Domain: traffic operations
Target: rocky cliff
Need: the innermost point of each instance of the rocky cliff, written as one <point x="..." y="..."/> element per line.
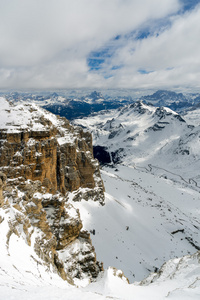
<point x="46" y="161"/>
<point x="37" y="145"/>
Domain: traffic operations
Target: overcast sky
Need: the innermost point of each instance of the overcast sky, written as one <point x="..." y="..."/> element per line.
<point x="100" y="44"/>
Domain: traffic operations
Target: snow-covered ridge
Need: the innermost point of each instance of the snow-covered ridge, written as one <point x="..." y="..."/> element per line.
<point x="15" y="118"/>
<point x="143" y="135"/>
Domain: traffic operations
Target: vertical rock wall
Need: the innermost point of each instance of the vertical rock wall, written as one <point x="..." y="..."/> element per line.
<point x="59" y="163"/>
<point x="42" y="167"/>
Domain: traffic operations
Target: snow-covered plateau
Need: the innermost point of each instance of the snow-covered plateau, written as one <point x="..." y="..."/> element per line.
<point x="149" y="225"/>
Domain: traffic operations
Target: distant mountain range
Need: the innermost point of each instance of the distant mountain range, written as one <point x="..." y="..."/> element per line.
<point x="70" y="106"/>
<point x="74" y="105"/>
<point x="176" y="101"/>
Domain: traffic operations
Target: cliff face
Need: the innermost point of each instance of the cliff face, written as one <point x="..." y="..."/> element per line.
<point x="39" y="156"/>
<point x="47" y="148"/>
<point x="45" y="159"/>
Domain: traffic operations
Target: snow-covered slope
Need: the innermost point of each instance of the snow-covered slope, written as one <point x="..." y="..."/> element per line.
<point x="23" y="275"/>
<point x="177" y="279"/>
<point x="147" y="220"/>
<point x="146" y="136"/>
<point x="152" y="187"/>
<point x="192" y="117"/>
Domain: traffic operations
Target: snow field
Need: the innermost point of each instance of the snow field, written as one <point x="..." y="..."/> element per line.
<point x="136" y="229"/>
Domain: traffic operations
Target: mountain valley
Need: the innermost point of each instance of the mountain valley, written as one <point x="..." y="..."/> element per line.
<point x="61" y="215"/>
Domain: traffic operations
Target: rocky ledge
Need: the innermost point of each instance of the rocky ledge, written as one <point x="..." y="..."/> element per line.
<point x="46" y="161"/>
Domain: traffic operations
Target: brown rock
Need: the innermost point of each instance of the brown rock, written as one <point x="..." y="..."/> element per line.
<point x="2" y="184"/>
<point x="41" y="167"/>
<point x="60" y="157"/>
<point x="63" y="218"/>
<point x="79" y="258"/>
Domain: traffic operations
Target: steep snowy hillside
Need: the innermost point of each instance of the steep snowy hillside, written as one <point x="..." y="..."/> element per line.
<point x="22" y="277"/>
<point x="147" y="221"/>
<point x="192" y="117"/>
<point x="141" y="135"/>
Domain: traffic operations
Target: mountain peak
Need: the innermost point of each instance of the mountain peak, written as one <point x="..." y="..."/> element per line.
<point x="95" y="95"/>
<point x="167" y="98"/>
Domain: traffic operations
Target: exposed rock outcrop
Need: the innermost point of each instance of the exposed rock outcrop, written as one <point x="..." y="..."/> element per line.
<point x="47" y="148"/>
<point x="52" y="226"/>
<point x="46" y="160"/>
<point x="2" y="184"/>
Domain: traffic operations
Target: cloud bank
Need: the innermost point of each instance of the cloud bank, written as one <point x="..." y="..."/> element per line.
<point x="99" y="43"/>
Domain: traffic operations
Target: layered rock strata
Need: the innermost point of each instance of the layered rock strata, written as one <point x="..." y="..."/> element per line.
<point x="46" y="160"/>
<point x="47" y="148"/>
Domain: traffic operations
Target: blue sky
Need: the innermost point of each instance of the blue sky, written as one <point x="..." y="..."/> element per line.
<point x="97" y="59"/>
<point x="100" y="44"/>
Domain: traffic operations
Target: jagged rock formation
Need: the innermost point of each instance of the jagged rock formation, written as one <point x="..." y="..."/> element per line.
<point x="45" y="159"/>
<point x="47" y="148"/>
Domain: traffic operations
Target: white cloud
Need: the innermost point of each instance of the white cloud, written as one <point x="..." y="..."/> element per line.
<point x="172" y="58"/>
<point x="45" y="43"/>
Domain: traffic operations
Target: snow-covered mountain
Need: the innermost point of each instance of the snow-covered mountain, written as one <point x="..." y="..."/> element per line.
<point x="152" y="185"/>
<point x="150" y="215"/>
<point x="151" y="137"/>
<point x="177" y="101"/>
